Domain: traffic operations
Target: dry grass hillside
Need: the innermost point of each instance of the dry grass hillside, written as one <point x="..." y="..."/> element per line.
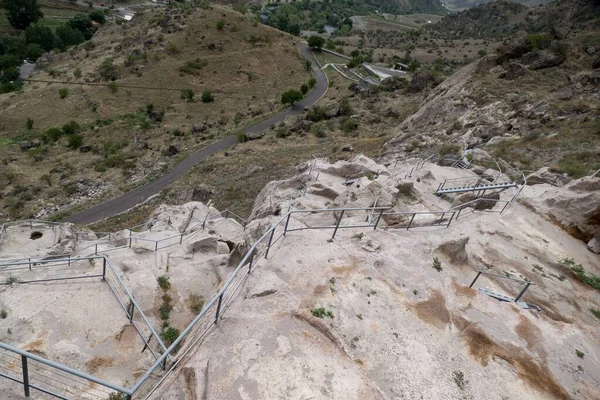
<point x="124" y="91"/>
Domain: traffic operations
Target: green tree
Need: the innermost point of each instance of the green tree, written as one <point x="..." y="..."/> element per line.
<point x="291" y="97"/>
<point x="22" y="13"/>
<point x="98" y="16"/>
<point x="83" y="23"/>
<point x="304" y="89"/>
<point x="316" y="42"/>
<point x="69" y="36"/>
<point x="41" y="35"/>
<point x="33" y="51"/>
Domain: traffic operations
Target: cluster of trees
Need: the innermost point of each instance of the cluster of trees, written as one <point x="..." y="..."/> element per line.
<point x="315" y="14"/>
<point x="35" y="39"/>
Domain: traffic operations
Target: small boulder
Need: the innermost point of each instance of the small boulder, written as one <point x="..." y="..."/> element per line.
<point x="513" y="47"/>
<point x="348" y="148"/>
<point x="512" y="70"/>
<point x="172" y="150"/>
<point x="332" y="112"/>
<point x="594" y="244"/>
<point x="254" y="135"/>
<point x="368" y="244"/>
<point x="205" y="244"/>
<point x="543" y="59"/>
<point x="85" y="148"/>
<point x="202" y="194"/>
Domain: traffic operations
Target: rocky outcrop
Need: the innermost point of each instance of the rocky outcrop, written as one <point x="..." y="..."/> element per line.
<point x="574" y="207"/>
<point x="545" y="175"/>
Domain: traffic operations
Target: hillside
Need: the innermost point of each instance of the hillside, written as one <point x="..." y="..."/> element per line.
<point x="136" y="96"/>
<point x="459" y="5"/>
<point x="503" y="17"/>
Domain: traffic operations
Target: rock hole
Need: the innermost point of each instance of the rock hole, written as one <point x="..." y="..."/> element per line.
<point x="36" y="235"/>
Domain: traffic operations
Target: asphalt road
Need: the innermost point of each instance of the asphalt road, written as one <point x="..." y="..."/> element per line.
<point x="138" y="196"/>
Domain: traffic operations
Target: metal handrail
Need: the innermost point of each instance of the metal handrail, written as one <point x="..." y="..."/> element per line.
<point x="62" y="367"/>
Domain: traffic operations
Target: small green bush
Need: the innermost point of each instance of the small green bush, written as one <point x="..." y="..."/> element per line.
<point x="77" y="73"/>
<point x="193" y="67"/>
<point x="75" y="141"/>
<point x="3" y="314"/>
<point x="63" y="93"/>
<point x="207" y="97"/>
<point x="595" y="312"/>
<point x="169" y="335"/>
<point x="114" y="87"/>
<point x="537" y="41"/>
<point x="304" y="89"/>
<point x="579" y="353"/>
<point x="349" y="125"/>
<point x="71" y="128"/>
<point x="437" y="265"/>
<point x="220" y="24"/>
<point x="172" y="49"/>
<point x="29" y="124"/>
<point x="188" y="95"/>
<point x="312" y="82"/>
<point x="195" y="303"/>
<point x="163" y="282"/>
<point x="241" y="137"/>
<point x="321" y="313"/>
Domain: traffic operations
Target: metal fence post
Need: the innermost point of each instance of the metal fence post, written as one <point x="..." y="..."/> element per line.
<point x="378" y="218"/>
<point x="251" y="261"/>
<point x="96" y="249"/>
<point x="69" y="258"/>
<point x="475" y="280"/>
<point x="287" y="222"/>
<point x="25" y="375"/>
<point x="104" y="268"/>
<point x="522" y="291"/>
<point x="181" y="239"/>
<point x="129" y="240"/>
<point x="30" y="264"/>
<point x="132" y="308"/>
<point x="411" y="220"/>
<point x="156" y="246"/>
<point x="270" y="240"/>
<point x="450" y="220"/>
<point x="337" y="225"/>
<point x="218" y="308"/>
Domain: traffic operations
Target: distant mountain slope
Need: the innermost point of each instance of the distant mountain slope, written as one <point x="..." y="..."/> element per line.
<point x="504" y="17"/>
<point x="464" y="4"/>
<point x="493" y="19"/>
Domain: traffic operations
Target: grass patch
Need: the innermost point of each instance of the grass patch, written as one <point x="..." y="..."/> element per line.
<point x="579" y="354"/>
<point x="595" y="312"/>
<point x="591" y="279"/>
<point x="321" y="312"/>
<point x="437" y="265"/>
<point x="3" y="314"/>
<point x="195" y="303"/>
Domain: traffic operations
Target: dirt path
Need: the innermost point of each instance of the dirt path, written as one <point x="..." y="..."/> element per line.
<point x="138" y="196"/>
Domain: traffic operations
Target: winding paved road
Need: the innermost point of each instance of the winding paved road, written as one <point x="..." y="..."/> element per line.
<point x="138" y="196"/>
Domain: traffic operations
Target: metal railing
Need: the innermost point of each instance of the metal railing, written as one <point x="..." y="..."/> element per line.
<point x="169" y="358"/>
<point x="57" y="379"/>
<point x="417" y="219"/>
<point x="526" y="285"/>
